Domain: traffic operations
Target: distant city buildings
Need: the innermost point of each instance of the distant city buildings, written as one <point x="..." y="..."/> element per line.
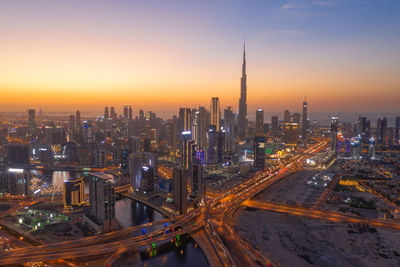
<point x="197" y="148"/>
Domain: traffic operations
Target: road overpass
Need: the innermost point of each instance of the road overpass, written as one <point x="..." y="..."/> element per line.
<point x="319" y="215"/>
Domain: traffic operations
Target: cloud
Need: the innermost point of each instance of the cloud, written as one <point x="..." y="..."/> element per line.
<point x="299" y="4"/>
<point x="290" y="5"/>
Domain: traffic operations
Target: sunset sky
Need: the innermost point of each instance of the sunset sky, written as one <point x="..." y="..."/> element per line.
<point x="160" y="55"/>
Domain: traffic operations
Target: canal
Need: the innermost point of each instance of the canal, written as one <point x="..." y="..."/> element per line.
<point x="182" y="252"/>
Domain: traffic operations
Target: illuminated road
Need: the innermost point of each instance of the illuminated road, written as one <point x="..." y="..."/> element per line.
<point x="232" y="249"/>
<point x="101" y="244"/>
<point x="320" y="215"/>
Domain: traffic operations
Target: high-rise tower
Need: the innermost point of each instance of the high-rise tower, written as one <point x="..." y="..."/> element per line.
<point x="130" y="112"/>
<point x="106" y="113"/>
<point x="334" y="132"/>
<point x="215" y="113"/>
<point x="78" y="119"/>
<point x="260" y="122"/>
<point x="125" y="112"/>
<point x="304" y="123"/>
<point x="31" y="120"/>
<point x="242" y="119"/>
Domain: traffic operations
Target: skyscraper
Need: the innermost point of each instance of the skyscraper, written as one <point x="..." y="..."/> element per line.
<point x="15" y="182"/>
<point x="78" y="119"/>
<point x="396" y="130"/>
<point x="106" y="113"/>
<point x="174" y="135"/>
<point x="215" y="113"/>
<point x="229" y="128"/>
<point x="259" y="122"/>
<point x="17" y="155"/>
<point x="286" y="116"/>
<point x="304" y="123"/>
<point x="126" y="112"/>
<point x="87" y="131"/>
<point x="291" y="133"/>
<point x="185" y="120"/>
<point x="102" y="202"/>
<point x="180" y="189"/>
<point x="130" y="112"/>
<point x="71" y="123"/>
<point x="31" y="120"/>
<point x="147" y="181"/>
<point x="202" y="124"/>
<point x="187" y="151"/>
<point x="135" y="169"/>
<point x="381" y="131"/>
<point x="364" y="128"/>
<point x="242" y="119"/>
<point x="274" y="125"/>
<point x="334" y="132"/>
<point x="198" y="184"/>
<point x="259" y="152"/>
<point x="113" y="114"/>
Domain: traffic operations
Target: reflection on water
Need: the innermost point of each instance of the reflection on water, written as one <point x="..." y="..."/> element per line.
<point x="192" y="256"/>
<point x="132" y="213"/>
<point x="127" y="211"/>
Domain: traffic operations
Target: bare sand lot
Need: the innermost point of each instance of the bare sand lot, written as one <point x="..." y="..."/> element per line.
<point x="294" y="241"/>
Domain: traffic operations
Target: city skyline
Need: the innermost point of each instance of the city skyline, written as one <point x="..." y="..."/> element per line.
<point x="111" y="55"/>
<point x="199" y="133"/>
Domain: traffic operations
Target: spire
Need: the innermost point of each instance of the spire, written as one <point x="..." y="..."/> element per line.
<point x="244" y="59"/>
<point x="244" y="50"/>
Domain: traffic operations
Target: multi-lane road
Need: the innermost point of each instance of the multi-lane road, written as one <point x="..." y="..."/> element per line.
<point x="219" y="221"/>
<point x="318" y="214"/>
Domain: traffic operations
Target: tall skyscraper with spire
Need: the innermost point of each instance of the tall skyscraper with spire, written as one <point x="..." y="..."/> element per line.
<point x="242" y="119"/>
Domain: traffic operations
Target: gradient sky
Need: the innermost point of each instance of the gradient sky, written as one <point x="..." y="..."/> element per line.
<point x="159" y="55"/>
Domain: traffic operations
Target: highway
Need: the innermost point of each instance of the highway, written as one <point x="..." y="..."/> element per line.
<point x="219" y="222"/>
<point x="320" y="215"/>
<point x="101" y="244"/>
